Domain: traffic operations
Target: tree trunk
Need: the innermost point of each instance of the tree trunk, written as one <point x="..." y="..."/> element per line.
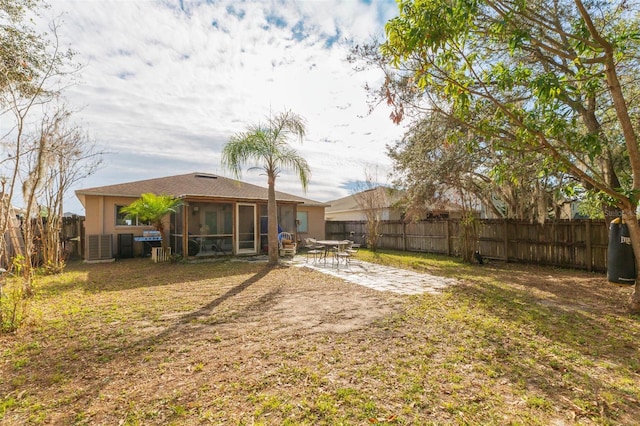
<point x="272" y="214"/>
<point x="631" y="220"/>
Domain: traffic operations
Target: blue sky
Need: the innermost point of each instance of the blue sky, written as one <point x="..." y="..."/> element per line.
<point x="164" y="84"/>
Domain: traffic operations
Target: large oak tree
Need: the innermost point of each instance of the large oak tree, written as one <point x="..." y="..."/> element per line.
<point x="552" y="79"/>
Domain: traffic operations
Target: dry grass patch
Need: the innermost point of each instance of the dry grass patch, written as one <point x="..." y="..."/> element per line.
<point x="238" y="343"/>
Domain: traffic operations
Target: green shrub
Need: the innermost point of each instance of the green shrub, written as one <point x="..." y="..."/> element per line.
<point x="13" y="305"/>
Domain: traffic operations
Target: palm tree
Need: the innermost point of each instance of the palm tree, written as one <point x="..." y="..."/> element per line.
<point x="268" y="145"/>
<point x="153" y="208"/>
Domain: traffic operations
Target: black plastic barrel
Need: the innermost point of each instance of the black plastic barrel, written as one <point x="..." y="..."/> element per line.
<point x="621" y="265"/>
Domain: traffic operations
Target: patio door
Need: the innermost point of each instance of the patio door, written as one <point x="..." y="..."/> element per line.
<point x="246" y="242"/>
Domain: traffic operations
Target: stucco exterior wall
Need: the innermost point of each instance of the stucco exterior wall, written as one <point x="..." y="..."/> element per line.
<point x="100" y="213"/>
<point x="94" y="212"/>
<point x="315" y="224"/>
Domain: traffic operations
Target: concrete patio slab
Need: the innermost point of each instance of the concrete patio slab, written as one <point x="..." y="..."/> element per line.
<point x="378" y="277"/>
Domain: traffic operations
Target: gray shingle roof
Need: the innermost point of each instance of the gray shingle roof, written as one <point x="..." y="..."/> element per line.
<point x="190" y="185"/>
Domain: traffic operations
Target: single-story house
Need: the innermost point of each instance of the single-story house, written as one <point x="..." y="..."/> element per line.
<point x="217" y="216"/>
<point x="357" y="206"/>
<point x="385" y="204"/>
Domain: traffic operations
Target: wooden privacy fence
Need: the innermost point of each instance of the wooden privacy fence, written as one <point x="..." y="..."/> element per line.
<point x="579" y="244"/>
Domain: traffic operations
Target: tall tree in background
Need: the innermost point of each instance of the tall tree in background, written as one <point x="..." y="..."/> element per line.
<point x="268" y="146"/>
<point x="555" y="79"/>
<point x="439" y="159"/>
<point x="437" y="174"/>
<point x="23" y="52"/>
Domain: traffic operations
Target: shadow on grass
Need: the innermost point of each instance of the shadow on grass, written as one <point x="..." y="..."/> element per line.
<point x="572" y="288"/>
<point x="558" y="342"/>
<point x="583" y="360"/>
<point x="565" y="335"/>
<point x="210" y="307"/>
<point x="597" y="334"/>
<point x="130" y="274"/>
<point x="75" y="360"/>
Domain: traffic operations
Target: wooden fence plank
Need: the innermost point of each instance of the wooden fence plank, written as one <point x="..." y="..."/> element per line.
<point x="578" y="244"/>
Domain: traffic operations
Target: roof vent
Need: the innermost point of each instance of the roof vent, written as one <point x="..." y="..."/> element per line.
<point x="206" y="176"/>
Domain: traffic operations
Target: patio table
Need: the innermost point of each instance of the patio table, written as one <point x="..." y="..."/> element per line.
<point x="338" y="246"/>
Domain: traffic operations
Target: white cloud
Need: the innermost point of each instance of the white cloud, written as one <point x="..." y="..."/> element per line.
<point x="163" y="88"/>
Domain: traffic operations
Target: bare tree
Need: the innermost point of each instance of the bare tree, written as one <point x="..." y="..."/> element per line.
<point x="70" y="157"/>
<point x="372" y="198"/>
<point x="32" y="81"/>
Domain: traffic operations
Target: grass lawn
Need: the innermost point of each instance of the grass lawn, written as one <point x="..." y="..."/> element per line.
<point x="236" y="343"/>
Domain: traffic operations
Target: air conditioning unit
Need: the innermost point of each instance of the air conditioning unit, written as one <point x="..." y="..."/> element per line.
<point x="99" y="247"/>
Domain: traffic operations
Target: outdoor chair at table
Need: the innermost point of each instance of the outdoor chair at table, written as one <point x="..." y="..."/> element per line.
<point x="314" y="249"/>
<point x="353" y="248"/>
<point x="343" y="254"/>
<point x="337" y="250"/>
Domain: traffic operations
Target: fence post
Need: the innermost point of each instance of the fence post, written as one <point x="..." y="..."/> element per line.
<point x="447" y="244"/>
<point x="589" y="259"/>
<point x="404" y="236"/>
<point x="506" y="240"/>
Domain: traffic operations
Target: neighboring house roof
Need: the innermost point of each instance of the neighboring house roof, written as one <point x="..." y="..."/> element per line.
<point x="193" y="185"/>
<point x="382" y="198"/>
<point x="386" y="197"/>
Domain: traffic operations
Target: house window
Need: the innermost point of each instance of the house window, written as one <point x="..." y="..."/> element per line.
<point x="303" y="221"/>
<point x="123" y="220"/>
